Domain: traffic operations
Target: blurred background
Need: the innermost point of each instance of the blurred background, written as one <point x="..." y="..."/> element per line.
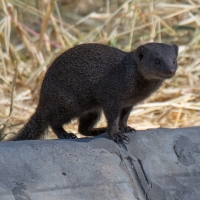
<point x="33" y="33"/>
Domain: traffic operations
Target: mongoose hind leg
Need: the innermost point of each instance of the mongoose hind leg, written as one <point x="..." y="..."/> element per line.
<point x="97" y="131"/>
<point x="61" y="133"/>
<point x="58" y="118"/>
<point x="56" y="123"/>
<point x="87" y="121"/>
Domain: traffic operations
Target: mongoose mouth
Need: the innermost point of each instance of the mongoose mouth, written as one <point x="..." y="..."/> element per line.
<point x="166" y="76"/>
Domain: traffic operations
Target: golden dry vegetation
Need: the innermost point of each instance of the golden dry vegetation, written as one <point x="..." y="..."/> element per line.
<point x="32" y="33"/>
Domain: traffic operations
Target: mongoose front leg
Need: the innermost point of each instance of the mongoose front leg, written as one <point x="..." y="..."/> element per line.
<point x="112" y="113"/>
<point x="124" y="115"/>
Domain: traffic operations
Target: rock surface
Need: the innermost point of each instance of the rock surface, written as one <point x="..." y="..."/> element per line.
<point x="157" y="164"/>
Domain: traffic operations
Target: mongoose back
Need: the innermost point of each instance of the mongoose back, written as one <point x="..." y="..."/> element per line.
<point x="90" y="78"/>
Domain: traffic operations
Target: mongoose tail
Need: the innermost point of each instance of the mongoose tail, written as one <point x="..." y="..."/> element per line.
<point x="33" y="130"/>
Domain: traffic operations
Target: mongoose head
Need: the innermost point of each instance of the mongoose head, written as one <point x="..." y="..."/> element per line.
<point x="157" y="60"/>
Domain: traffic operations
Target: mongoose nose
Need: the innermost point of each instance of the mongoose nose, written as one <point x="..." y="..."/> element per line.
<point x="171" y="71"/>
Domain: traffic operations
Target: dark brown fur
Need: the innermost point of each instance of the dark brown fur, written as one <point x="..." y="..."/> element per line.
<point x="90" y="78"/>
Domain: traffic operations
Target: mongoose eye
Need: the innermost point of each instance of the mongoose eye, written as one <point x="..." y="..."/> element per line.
<point x="157" y="61"/>
<point x="173" y="61"/>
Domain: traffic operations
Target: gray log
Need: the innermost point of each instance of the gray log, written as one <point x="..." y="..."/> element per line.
<point x="157" y="164"/>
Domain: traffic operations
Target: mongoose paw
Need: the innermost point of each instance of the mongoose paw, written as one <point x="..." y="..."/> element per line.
<point x="72" y="136"/>
<point x="68" y="136"/>
<point x="119" y="137"/>
<point x="128" y="129"/>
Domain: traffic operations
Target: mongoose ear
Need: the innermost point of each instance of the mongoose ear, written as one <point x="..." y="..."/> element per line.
<point x="175" y="48"/>
<point x="140" y="52"/>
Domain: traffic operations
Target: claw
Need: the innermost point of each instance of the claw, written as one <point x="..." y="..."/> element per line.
<point x="128" y="129"/>
<point x="68" y="136"/>
<point x="72" y="136"/>
<point x="120" y="137"/>
<point x="126" y="138"/>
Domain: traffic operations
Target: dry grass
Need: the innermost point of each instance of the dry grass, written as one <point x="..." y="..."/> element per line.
<point x="32" y="32"/>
